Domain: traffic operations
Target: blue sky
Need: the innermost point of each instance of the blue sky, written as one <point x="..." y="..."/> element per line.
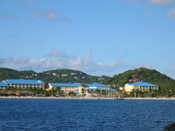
<point x="95" y="36"/>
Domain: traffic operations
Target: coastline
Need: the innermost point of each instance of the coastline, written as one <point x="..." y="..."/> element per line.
<point x="88" y="98"/>
<point x="149" y="98"/>
<point x="52" y="97"/>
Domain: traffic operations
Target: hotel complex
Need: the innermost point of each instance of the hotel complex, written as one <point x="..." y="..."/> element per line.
<point x="141" y="86"/>
<point x="3" y="85"/>
<point x="64" y="88"/>
<point x="24" y="84"/>
<point x="79" y="89"/>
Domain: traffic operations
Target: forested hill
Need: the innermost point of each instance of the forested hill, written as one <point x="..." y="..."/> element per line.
<point x="148" y="75"/>
<point x="60" y="75"/>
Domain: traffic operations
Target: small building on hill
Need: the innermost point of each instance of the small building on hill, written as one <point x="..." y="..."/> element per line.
<point x="141" y="86"/>
<point x="24" y="84"/>
<point x="134" y="80"/>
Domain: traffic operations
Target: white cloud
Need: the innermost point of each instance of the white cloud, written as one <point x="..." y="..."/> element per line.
<point x="56" y="54"/>
<point x="49" y="14"/>
<point x="52" y="15"/>
<point x="171" y="13"/>
<point x="156" y="2"/>
<point x="58" y="60"/>
<point x="161" y="2"/>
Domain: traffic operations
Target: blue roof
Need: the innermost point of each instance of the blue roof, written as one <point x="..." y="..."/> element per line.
<point x="78" y="84"/>
<point x="96" y="85"/>
<point x="101" y="88"/>
<point x="65" y="84"/>
<point x="23" y="81"/>
<point x="3" y="84"/>
<point x="143" y="84"/>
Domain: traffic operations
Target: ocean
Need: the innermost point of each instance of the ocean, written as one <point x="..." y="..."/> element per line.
<point x="85" y="115"/>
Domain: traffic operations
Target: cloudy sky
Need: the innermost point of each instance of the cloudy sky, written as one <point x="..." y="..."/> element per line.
<point x="102" y="37"/>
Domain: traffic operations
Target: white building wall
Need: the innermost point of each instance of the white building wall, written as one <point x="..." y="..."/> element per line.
<point x="128" y="88"/>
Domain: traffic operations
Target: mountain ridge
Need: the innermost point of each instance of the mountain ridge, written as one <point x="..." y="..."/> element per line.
<point x="57" y="75"/>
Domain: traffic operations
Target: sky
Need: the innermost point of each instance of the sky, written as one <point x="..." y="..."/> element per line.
<point x="100" y="37"/>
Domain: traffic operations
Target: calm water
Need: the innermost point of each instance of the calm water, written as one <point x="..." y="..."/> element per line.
<point x="85" y="115"/>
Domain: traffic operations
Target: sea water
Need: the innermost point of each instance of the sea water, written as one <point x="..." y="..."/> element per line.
<point x="85" y="115"/>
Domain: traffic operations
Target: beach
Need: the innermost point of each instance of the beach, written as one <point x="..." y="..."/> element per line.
<point x="89" y="98"/>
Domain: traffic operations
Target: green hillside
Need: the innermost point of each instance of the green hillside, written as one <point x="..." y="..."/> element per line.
<point x="166" y="83"/>
<point x="60" y="75"/>
<point x="6" y="73"/>
<point x="67" y="75"/>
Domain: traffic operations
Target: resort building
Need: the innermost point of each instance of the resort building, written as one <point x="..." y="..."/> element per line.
<point x="3" y="85"/>
<point x="97" y="86"/>
<point x="63" y="88"/>
<point x="24" y="84"/>
<point x="66" y="88"/>
<point x="79" y="89"/>
<point x="141" y="86"/>
<point x="101" y="88"/>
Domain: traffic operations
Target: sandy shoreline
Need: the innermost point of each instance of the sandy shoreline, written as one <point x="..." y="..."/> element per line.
<point x="81" y="98"/>
<point x="90" y="98"/>
<point x="149" y="98"/>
